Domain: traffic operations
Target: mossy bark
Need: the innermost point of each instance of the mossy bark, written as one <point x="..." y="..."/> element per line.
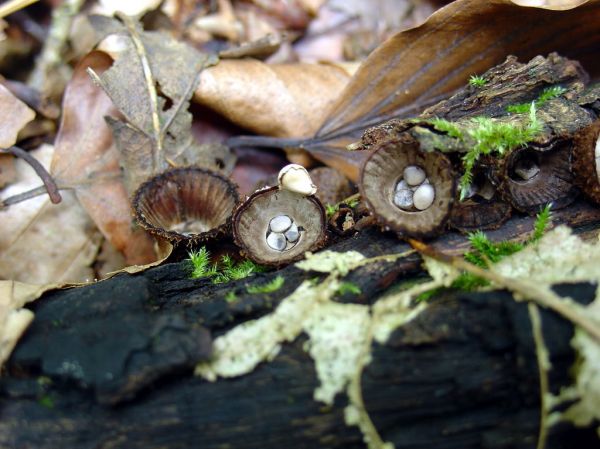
<point x="111" y="365"/>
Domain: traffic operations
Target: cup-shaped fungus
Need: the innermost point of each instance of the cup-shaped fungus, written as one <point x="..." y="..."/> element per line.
<point x="586" y="155"/>
<point x="530" y="178"/>
<point x="277" y="225"/>
<point x="408" y="190"/>
<point x="481" y="207"/>
<point x="186" y="205"/>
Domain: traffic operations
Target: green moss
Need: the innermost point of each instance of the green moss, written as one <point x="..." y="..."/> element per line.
<point x="200" y="261"/>
<point x="46" y="401"/>
<point x="231" y="296"/>
<point x="227" y="270"/>
<point x="477" y="81"/>
<point x="447" y="127"/>
<point x="546" y="95"/>
<point x="348" y="287"/>
<point x="494" y="137"/>
<point x="270" y="287"/>
<point x="486" y="252"/>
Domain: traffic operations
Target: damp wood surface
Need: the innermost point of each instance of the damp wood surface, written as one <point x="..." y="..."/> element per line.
<point x="110" y="365"/>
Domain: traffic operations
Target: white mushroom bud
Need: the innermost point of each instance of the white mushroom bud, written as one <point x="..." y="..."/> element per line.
<point x="295" y="178"/>
<point x="423" y="197"/>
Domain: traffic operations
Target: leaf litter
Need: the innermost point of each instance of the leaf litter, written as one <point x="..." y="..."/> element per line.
<point x="153" y="133"/>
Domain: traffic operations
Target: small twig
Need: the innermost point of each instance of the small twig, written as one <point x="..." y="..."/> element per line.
<point x="543" y="367"/>
<point x="528" y="290"/>
<point x="49" y="184"/>
<point x="14" y="5"/>
<point x="141" y="52"/>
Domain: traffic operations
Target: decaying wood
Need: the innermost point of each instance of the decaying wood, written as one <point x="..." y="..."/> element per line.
<point x="110" y="365"/>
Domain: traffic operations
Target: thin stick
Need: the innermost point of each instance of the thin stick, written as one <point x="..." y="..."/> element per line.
<point x="528" y="290"/>
<point x="46" y="178"/>
<point x="543" y="367"/>
<point x="141" y="52"/>
<point x="13" y="6"/>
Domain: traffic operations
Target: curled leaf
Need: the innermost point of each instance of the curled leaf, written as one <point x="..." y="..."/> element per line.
<point x="281" y="100"/>
<point x="14" y="115"/>
<point x="86" y="160"/>
<point x="151" y="83"/>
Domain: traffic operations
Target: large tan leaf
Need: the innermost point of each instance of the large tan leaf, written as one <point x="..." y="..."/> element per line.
<point x="280" y="100"/>
<point x="14" y="115"/>
<point x="42" y="242"/>
<point x="86" y="159"/>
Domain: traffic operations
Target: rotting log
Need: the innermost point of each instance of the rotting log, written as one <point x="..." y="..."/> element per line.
<point x="110" y="365"/>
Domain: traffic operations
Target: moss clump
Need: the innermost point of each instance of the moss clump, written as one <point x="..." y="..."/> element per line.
<point x="486" y="252"/>
<point x="348" y="287"/>
<point x="477" y="81"/>
<point x="494" y="137"/>
<point x="226" y="270"/>
<point x="270" y="287"/>
<point x="546" y="95"/>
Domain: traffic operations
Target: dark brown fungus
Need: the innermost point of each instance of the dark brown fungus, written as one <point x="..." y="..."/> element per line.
<point x="342" y="221"/>
<point x="332" y="186"/>
<point x="276" y="226"/>
<point x="186" y="205"/>
<point x="407" y="190"/>
<point x="482" y="208"/>
<point x="529" y="178"/>
<point x="586" y="160"/>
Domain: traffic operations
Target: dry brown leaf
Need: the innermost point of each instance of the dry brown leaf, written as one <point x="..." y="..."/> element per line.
<point x="7" y="169"/>
<point x="86" y="159"/>
<point x="420" y="66"/>
<point x="151" y="83"/>
<point x="14" y="319"/>
<point x="285" y="100"/>
<point x="14" y="115"/>
<point x="42" y="242"/>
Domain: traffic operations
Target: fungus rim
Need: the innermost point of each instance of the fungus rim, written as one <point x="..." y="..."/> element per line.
<point x="175" y="237"/>
<point x="282" y="259"/>
<point x="443" y="166"/>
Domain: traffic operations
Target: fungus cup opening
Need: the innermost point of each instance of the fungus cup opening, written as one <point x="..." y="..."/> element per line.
<point x="188" y="205"/>
<point x="530" y="179"/>
<point x="252" y="225"/>
<point x="384" y="169"/>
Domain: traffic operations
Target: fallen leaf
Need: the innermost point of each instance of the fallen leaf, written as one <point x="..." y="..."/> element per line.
<point x="150" y="83"/>
<point x="86" y="160"/>
<point x="14" y="319"/>
<point x="281" y="100"/>
<point x="14" y="115"/>
<point x="42" y="242"/>
<point x="7" y="169"/>
<point x="420" y="66"/>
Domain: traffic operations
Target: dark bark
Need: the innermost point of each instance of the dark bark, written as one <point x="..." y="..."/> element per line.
<point x="110" y="365"/>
